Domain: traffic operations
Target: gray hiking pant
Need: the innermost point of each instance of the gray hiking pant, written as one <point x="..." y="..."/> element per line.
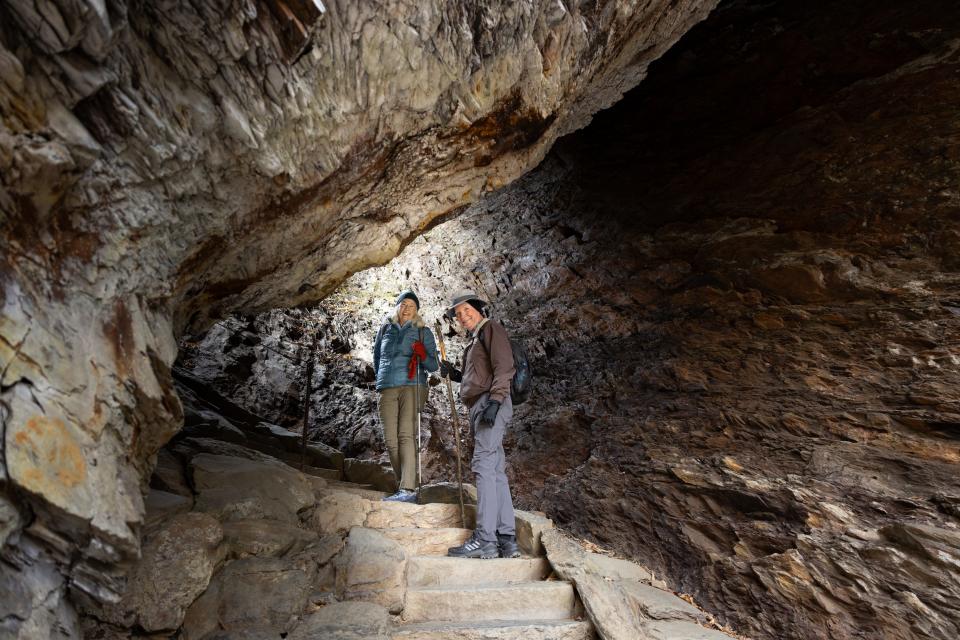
<point x="494" y="504"/>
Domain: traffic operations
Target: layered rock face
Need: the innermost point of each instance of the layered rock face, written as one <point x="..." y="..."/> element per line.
<point x="163" y="164"/>
<point x="740" y="288"/>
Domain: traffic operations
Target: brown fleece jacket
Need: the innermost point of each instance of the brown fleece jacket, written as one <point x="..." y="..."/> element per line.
<point x="487" y="365"/>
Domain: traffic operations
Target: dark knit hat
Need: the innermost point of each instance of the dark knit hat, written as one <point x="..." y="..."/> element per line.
<point x="408" y="294"/>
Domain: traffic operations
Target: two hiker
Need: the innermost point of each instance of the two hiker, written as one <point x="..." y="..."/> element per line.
<point x="485" y="379"/>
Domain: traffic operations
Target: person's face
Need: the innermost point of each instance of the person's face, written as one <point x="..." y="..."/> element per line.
<point x="467" y="316"/>
<point x="408" y="309"/>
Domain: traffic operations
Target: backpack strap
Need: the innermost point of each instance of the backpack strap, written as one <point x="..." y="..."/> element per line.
<point x="488" y="345"/>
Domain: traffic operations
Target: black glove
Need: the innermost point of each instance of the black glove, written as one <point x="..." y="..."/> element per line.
<point x="490" y="413"/>
<point x="448" y="370"/>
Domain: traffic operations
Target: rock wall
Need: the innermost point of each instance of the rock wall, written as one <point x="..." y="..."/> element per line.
<point x="744" y="324"/>
<point x="163" y="164"/>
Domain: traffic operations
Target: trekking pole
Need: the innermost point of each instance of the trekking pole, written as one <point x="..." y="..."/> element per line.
<point x="306" y="402"/>
<point x="417" y="406"/>
<point x="456" y="424"/>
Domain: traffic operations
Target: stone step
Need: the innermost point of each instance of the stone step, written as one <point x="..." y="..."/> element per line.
<point x="362" y="490"/>
<point x="319" y="472"/>
<point x="528" y="630"/>
<point x="681" y="630"/>
<point x="545" y="600"/>
<point x="391" y="515"/>
<point x="426" y="542"/>
<point x="433" y="571"/>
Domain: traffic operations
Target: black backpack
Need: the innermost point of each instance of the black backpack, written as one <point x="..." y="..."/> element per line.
<point x="522" y="375"/>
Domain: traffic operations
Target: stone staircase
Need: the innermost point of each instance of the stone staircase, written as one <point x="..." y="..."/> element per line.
<point x="500" y="599"/>
<point x="327" y="559"/>
<point x="472" y="599"/>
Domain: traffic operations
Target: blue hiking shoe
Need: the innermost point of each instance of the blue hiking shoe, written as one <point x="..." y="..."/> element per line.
<point x="403" y="495"/>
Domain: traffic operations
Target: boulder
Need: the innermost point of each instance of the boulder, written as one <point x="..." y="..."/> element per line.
<point x="447" y="492"/>
<point x="324" y="456"/>
<point x="343" y="621"/>
<point x="615" y="594"/>
<point x="190" y="447"/>
<point x="378" y="475"/>
<point x="161" y="506"/>
<point x="529" y="528"/>
<point x="338" y="512"/>
<point x="322" y="474"/>
<point x="208" y="424"/>
<point x="264" y="595"/>
<point x="362" y="490"/>
<point x="240" y="489"/>
<point x="169" y="474"/>
<point x="264" y="538"/>
<point x="612" y="611"/>
<point x="659" y="604"/>
<point x="175" y="568"/>
<point x="371" y="567"/>
<point x="10" y="519"/>
<point x="318" y="454"/>
<point x="617" y="568"/>
<point x="283" y="438"/>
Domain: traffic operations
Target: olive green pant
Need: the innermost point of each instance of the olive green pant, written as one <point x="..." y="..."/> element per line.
<point x="398" y="415"/>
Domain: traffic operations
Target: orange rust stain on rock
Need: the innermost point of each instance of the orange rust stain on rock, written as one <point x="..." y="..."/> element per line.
<point x="47" y="458"/>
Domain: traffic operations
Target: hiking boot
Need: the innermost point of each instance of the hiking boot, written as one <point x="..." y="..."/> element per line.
<point x="474" y="547"/>
<point x="508" y="546"/>
<point x="403" y="495"/>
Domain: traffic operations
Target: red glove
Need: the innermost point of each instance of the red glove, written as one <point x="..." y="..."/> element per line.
<point x="419" y="350"/>
<point x="419" y="355"/>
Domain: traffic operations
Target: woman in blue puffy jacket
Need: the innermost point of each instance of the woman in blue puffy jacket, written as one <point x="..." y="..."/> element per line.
<point x="403" y="351"/>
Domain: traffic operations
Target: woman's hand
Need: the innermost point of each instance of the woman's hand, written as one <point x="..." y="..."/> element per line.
<point x="420" y="350"/>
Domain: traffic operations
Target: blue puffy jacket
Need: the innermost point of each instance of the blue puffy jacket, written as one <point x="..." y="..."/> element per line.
<point x="392" y="349"/>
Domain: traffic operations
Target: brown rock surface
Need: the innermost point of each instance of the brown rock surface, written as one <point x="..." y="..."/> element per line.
<point x="744" y="334"/>
<point x="233" y="488"/>
<point x="163" y="164"/>
<point x="175" y="568"/>
<point x="257" y="595"/>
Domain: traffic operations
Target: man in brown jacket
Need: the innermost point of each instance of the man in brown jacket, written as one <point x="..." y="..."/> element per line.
<point x="485" y="390"/>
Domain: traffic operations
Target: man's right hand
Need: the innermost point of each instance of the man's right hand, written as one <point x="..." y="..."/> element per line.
<point x="447" y="370"/>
